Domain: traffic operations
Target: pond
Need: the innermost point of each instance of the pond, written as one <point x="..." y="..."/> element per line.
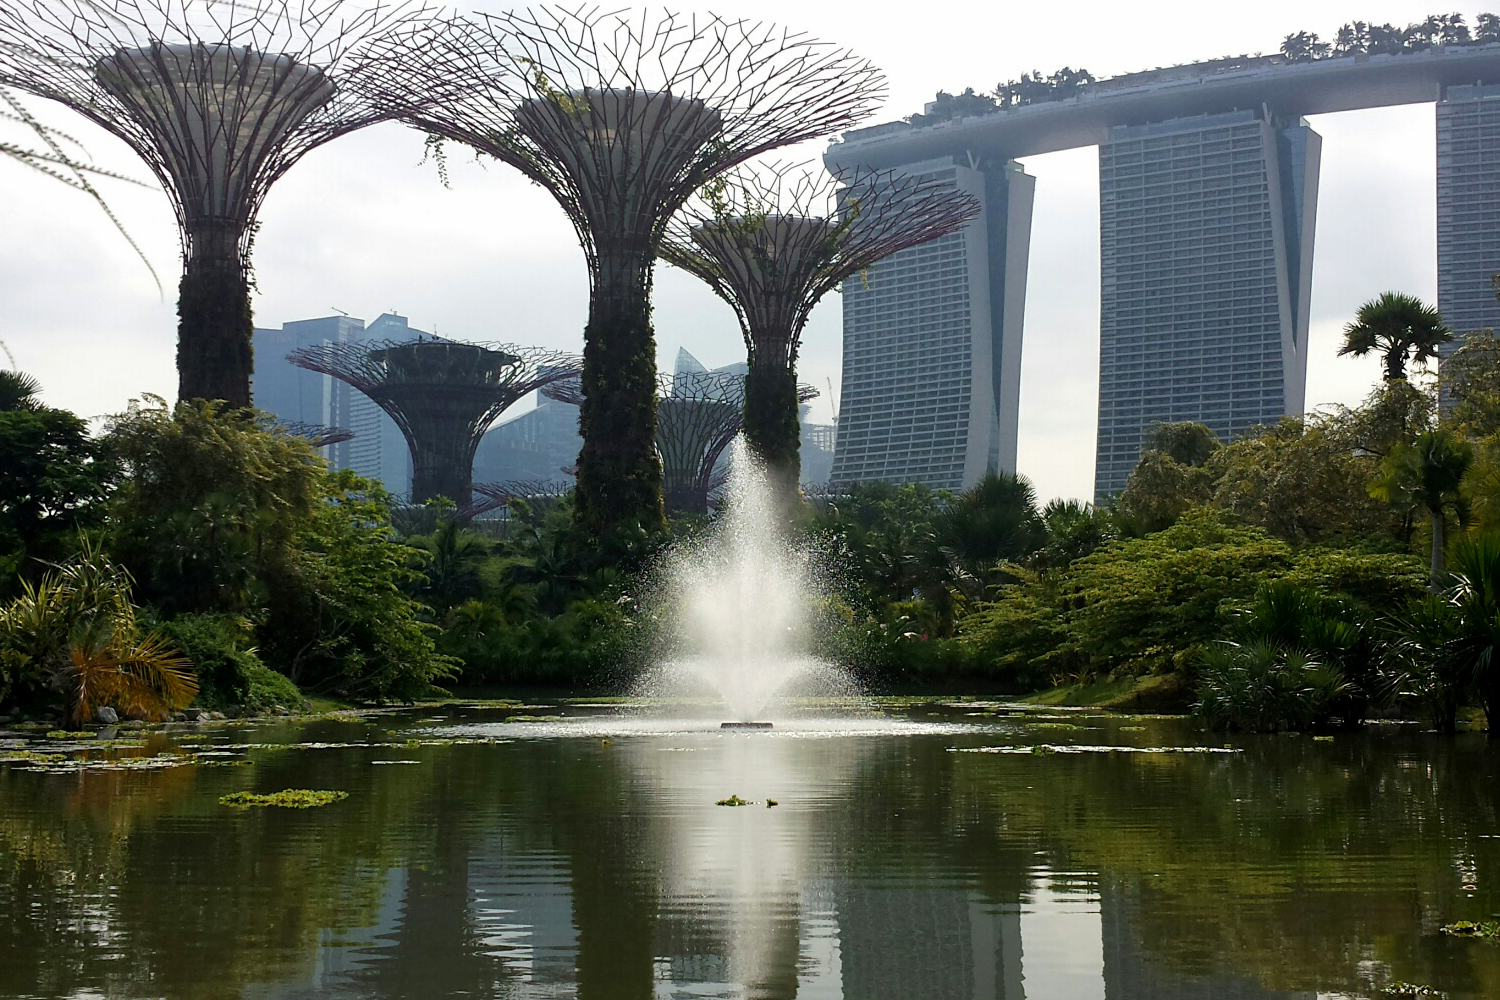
<point x="934" y="850"/>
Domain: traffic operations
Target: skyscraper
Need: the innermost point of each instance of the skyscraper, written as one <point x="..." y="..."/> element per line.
<point x="1206" y="240"/>
<point x="1468" y="207"/>
<point x="299" y="396"/>
<point x="932" y="343"/>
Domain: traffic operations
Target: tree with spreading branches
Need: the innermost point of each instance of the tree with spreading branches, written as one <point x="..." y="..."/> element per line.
<point x="771" y="242"/>
<point x="622" y="117"/>
<point x="443" y="394"/>
<point x="219" y="99"/>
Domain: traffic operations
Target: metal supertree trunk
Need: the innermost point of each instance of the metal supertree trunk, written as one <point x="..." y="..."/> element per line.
<point x="219" y="98"/>
<point x="773" y="241"/>
<point x="622" y="117"/>
<point x="699" y="413"/>
<point x="442" y="394"/>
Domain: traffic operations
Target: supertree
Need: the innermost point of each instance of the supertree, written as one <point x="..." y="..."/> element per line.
<point x="219" y="98"/>
<point x="698" y="415"/>
<point x="442" y="394"/>
<point x="773" y="240"/>
<point x="317" y="435"/>
<point x="539" y="493"/>
<point x="622" y="117"/>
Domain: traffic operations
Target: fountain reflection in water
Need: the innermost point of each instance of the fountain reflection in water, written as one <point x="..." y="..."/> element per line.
<point x="741" y="601"/>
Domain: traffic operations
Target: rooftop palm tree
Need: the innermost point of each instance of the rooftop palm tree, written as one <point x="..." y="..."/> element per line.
<point x="1401" y="327"/>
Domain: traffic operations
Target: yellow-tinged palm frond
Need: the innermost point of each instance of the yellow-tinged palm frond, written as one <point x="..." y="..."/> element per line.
<point x="138" y="674"/>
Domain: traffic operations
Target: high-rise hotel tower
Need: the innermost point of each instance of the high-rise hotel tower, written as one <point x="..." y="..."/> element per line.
<point x="932" y="344"/>
<point x="1208" y="198"/>
<point x="1468" y="207"/>
<point x="1206" y="235"/>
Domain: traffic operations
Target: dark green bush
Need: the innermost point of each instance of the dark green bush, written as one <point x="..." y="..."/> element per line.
<point x="230" y="672"/>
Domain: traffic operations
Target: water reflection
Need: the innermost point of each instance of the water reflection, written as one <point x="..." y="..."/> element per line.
<point x="599" y="867"/>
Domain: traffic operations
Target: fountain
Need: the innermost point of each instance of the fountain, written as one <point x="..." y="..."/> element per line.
<point x="740" y="601"/>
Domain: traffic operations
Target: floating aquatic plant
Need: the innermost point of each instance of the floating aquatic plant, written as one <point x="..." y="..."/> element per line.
<point x="291" y="798"/>
<point x="1487" y="929"/>
<point x="733" y="800"/>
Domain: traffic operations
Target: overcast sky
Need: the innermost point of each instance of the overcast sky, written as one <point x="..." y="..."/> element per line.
<point x="360" y="226"/>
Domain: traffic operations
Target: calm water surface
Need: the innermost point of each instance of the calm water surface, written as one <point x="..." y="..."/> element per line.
<point x="927" y="853"/>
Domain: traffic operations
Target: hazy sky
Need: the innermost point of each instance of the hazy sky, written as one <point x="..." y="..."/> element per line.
<point x="360" y="226"/>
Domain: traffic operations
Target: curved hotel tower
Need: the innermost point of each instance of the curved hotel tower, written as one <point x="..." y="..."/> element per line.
<point x="1208" y="196"/>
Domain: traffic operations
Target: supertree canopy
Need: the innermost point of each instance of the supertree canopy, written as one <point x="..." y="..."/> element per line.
<point x="317" y="435"/>
<point x="698" y="415"/>
<point x="219" y="98"/>
<point x="622" y="117"/>
<point x="442" y="394"/>
<point x="539" y="494"/>
<point x="773" y="241"/>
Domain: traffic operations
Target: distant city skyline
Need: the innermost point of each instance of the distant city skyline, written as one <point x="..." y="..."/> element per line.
<point x="361" y="222"/>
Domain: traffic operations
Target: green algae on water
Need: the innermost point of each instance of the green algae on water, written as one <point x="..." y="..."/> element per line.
<point x="733" y="800"/>
<point x="290" y="798"/>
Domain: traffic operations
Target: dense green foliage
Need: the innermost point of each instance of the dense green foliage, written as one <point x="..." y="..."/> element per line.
<point x="772" y="429"/>
<point x="53" y="479"/>
<point x="259" y="565"/>
<point x="1275" y="578"/>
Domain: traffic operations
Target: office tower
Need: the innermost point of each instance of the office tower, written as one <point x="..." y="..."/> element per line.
<point x="1206" y="240"/>
<point x="932" y="343"/>
<point x="299" y="396"/>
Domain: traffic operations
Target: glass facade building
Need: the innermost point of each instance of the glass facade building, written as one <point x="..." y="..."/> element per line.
<point x="932" y="344"/>
<point x="1468" y="207"/>
<point x="1206" y="239"/>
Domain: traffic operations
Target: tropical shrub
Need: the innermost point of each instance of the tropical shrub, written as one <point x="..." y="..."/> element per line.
<point x="1264" y="686"/>
<point x="77" y="632"/>
<point x="336" y="616"/>
<point x="230" y="672"/>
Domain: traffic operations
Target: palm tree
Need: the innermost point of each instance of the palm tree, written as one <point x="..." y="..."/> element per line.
<point x="993" y="520"/>
<point x="1402" y="327"/>
<point x="1427" y="473"/>
<point x="1476" y="597"/>
<point x="19" y="391"/>
<point x="1298" y="47"/>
